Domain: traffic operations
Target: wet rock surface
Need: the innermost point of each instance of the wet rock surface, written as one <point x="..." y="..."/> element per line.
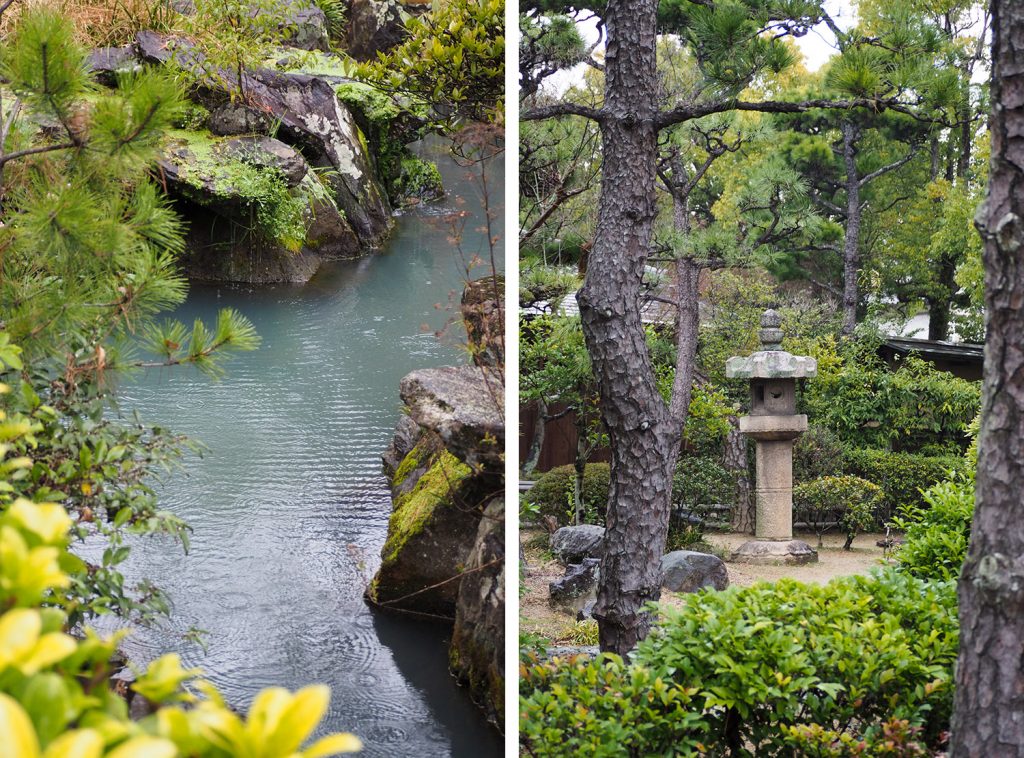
<point x="578" y="588"/>
<point x="689" y="571"/>
<point x="571" y="544"/>
<point x="464" y="406"/>
<point x="477" y="653"/>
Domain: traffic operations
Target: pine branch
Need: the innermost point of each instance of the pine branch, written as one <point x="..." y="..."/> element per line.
<point x="4" y="159"/>
<point x="890" y="167"/>
<point x="562" y="109"/>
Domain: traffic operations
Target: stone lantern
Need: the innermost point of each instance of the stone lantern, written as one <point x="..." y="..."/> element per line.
<point x="773" y="424"/>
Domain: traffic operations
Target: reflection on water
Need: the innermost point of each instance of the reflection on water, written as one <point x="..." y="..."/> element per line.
<point x="289" y="506"/>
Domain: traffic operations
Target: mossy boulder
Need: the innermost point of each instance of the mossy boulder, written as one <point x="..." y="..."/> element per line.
<point x="256" y="213"/>
<point x="432" y="528"/>
<point x="389" y="128"/>
<point x="477" y="652"/>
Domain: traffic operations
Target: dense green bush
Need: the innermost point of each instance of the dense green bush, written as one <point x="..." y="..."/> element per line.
<point x="869" y="405"/>
<point x="732" y="671"/>
<point x="902" y="476"/>
<point x="606" y="709"/>
<point x="848" y="502"/>
<point x="817" y="452"/>
<point x="937" y="536"/>
<point x="552" y="494"/>
<point x="701" y="480"/>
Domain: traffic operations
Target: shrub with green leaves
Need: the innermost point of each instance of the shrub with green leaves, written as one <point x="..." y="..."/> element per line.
<point x="604" y="708"/>
<point x="452" y="58"/>
<point x="732" y="673"/>
<point x="902" y="476"/>
<point x="701" y="480"/>
<point x="553" y="492"/>
<point x="847" y="502"/>
<point x="937" y="536"/>
<point x="870" y="405"/>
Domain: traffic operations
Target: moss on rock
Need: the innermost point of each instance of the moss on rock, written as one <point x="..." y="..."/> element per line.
<point x="437" y="504"/>
<point x="435" y="489"/>
<point x="276" y="212"/>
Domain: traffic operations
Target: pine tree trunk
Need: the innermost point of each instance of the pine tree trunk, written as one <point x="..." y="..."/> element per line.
<point x="988" y="714"/>
<point x="580" y="468"/>
<point x="851" y="242"/>
<point x="734" y="458"/>
<point x="642" y="434"/>
<point x="537" y="442"/>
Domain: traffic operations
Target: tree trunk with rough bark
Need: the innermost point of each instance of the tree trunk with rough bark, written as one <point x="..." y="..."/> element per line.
<point x="537" y="441"/>
<point x="851" y="242"/>
<point x="642" y="435"/>
<point x="988" y="716"/>
<point x="734" y="459"/>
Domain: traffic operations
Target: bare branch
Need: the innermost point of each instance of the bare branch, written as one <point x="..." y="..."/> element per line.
<point x="561" y="109"/>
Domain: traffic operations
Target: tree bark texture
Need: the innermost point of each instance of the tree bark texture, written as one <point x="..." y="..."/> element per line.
<point x="734" y="458"/>
<point x="988" y="714"/>
<point x="851" y="242"/>
<point x="642" y="434"/>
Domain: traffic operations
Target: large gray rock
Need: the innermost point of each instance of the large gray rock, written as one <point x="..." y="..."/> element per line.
<point x="464" y="406"/>
<point x="572" y="592"/>
<point x="687" y="571"/>
<point x="238" y="118"/>
<point x="106" y="63"/>
<point x="309" y="116"/>
<point x="268" y="153"/>
<point x="477" y="653"/>
<point x="571" y="544"/>
<point x="407" y="433"/>
<point x="373" y="26"/>
<point x="304" y="25"/>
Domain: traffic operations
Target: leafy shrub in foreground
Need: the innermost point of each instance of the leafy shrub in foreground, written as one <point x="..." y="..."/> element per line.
<point x="847" y="501"/>
<point x="604" y="708"/>
<point x="937" y="536"/>
<point x="730" y="672"/>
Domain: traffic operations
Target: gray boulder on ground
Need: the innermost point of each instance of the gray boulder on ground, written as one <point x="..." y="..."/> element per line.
<point x="464" y="406"/>
<point x="687" y="571"/>
<point x="572" y="544"/>
<point x="572" y="592"/>
<point x="477" y="653"/>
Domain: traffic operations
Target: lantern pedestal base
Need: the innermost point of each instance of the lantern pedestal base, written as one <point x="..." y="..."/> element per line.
<point x="775" y="552"/>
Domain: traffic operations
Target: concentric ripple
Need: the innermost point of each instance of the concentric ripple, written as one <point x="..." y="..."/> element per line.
<point x="288" y="505"/>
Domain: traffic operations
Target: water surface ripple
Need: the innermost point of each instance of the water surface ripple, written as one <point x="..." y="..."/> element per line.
<point x="288" y="505"/>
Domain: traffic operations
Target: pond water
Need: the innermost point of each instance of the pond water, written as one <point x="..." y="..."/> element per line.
<point x="288" y="505"/>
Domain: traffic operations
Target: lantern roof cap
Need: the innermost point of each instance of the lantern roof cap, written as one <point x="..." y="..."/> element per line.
<point x="771" y="361"/>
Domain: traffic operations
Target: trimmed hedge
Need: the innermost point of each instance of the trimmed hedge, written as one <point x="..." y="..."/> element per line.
<point x="902" y="476"/>
<point x="552" y="493"/>
<point x="760" y="671"/>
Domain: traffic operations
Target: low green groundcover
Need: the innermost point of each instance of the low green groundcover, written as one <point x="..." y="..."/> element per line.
<point x="860" y="666"/>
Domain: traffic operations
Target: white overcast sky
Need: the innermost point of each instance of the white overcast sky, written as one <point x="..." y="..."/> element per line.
<point x="817" y="45"/>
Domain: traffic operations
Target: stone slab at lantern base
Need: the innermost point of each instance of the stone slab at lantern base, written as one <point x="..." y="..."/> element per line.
<point x="775" y="553"/>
